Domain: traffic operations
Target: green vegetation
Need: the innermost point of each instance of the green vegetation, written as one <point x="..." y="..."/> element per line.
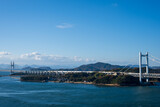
<point x="35" y="78"/>
<point x="127" y="80"/>
<point x="95" y="78"/>
<point x="109" y="79"/>
<point x="101" y="78"/>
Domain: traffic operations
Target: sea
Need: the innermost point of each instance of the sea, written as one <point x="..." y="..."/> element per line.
<point x="14" y="93"/>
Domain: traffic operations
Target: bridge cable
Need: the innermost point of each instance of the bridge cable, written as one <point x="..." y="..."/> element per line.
<point x="154" y="60"/>
<point x="129" y="68"/>
<point x="128" y="64"/>
<point x="155" y="57"/>
<point x="123" y="68"/>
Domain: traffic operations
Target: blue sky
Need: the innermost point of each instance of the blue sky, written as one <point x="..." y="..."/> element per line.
<point x="74" y="32"/>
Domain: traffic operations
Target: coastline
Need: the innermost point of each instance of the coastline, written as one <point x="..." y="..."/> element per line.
<point x="83" y="78"/>
<point x="115" y="85"/>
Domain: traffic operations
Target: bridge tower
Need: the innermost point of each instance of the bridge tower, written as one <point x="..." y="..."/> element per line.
<point x="12" y="66"/>
<point x="140" y="65"/>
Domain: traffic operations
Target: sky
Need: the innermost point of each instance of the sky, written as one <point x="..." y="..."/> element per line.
<point x="75" y="32"/>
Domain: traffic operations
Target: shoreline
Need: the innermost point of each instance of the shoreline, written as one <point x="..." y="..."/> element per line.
<point x="84" y="78"/>
<point x="90" y="83"/>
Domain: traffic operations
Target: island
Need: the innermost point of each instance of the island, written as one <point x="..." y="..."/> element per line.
<point x="95" y="78"/>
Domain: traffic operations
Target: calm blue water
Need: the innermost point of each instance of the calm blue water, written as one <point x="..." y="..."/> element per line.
<point x="4" y="73"/>
<point x="26" y="94"/>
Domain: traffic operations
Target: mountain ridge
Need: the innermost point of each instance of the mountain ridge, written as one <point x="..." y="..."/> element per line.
<point x="99" y="66"/>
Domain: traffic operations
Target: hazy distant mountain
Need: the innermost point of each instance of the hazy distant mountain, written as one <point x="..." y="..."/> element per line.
<point x="99" y="66"/>
<point x="4" y="66"/>
<point x="155" y="67"/>
<point x="28" y="67"/>
<point x="7" y="66"/>
<point x="37" y="69"/>
<point x="51" y="66"/>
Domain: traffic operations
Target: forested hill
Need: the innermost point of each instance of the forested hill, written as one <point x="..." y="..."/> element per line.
<point x="99" y="66"/>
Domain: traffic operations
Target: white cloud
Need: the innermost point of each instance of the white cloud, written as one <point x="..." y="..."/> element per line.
<point x="43" y="59"/>
<point x="36" y="57"/>
<point x="64" y="26"/>
<point x="4" y="53"/>
<point x="75" y="58"/>
<point x="33" y="55"/>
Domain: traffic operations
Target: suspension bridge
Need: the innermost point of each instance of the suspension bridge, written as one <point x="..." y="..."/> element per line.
<point x="147" y="75"/>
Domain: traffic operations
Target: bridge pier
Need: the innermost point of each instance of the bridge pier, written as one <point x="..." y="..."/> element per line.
<point x="140" y="66"/>
<point x="147" y="66"/>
